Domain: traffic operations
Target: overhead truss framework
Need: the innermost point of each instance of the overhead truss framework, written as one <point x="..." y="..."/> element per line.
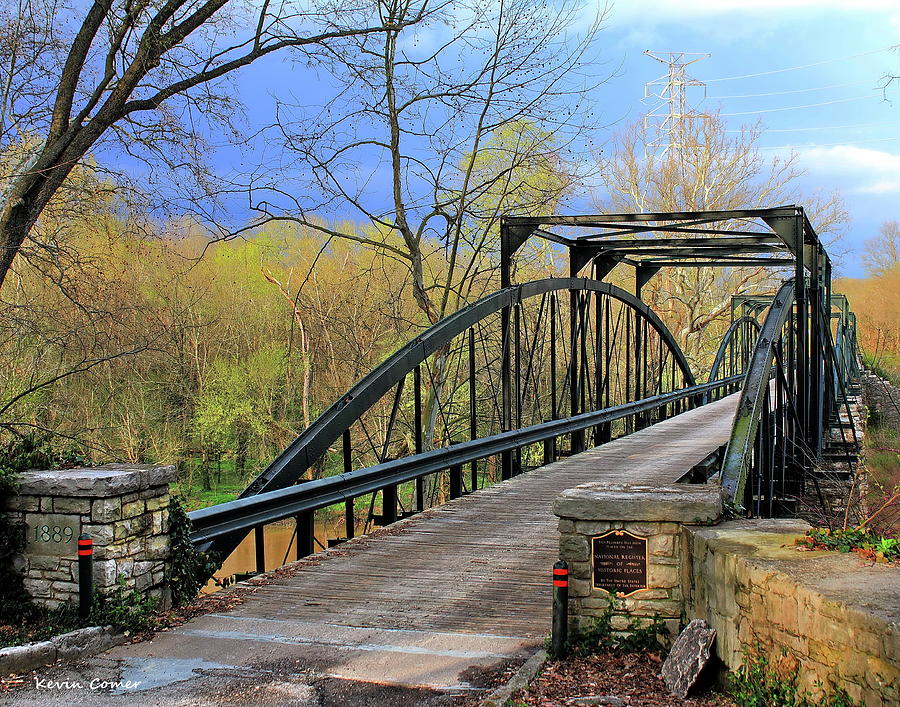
<point x="781" y="238"/>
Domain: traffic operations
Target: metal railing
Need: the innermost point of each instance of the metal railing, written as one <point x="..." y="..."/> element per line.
<point x="245" y="514"/>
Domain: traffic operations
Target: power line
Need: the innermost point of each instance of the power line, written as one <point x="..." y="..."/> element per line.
<point x="821" y="127"/>
<point x="804" y="66"/>
<point x="808" y="105"/>
<point x="828" y="144"/>
<point x="784" y="93"/>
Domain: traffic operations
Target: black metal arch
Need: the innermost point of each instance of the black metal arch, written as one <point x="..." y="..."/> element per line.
<point x="315" y="440"/>
<point x="727" y="340"/>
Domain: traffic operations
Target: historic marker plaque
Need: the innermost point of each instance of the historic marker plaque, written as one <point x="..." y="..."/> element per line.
<point x="619" y="561"/>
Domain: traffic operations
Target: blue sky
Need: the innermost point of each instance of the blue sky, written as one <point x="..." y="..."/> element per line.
<point x="851" y="143"/>
<point x="808" y="69"/>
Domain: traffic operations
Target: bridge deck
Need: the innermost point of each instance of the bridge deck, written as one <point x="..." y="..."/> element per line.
<point x="462" y="586"/>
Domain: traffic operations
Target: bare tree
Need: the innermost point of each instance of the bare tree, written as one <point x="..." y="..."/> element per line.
<point x="711" y="171"/>
<point x="881" y="253"/>
<point x="438" y="128"/>
<point x="139" y="71"/>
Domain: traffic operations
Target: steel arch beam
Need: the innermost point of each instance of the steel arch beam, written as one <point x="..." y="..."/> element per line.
<point x="723" y="347"/>
<point x="328" y="427"/>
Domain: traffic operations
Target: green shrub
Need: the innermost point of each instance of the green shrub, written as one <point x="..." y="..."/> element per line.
<point x="124" y="609"/>
<point x="861" y="540"/>
<point x="190" y="568"/>
<point x="757" y="683"/>
<point x="600" y="637"/>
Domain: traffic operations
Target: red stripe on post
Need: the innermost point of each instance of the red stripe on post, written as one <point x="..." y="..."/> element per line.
<point x="560" y="571"/>
<point x="560" y="582"/>
<point x="85" y="552"/>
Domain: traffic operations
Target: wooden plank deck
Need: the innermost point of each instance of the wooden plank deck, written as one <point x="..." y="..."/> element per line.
<point x="481" y="563"/>
<point x="461" y="586"/>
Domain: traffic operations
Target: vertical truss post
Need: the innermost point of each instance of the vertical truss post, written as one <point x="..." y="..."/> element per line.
<point x="554" y="408"/>
<point x="550" y="444"/>
<point x="517" y="335"/>
<point x="642" y="275"/>
<point x="259" y="545"/>
<point x="577" y="438"/>
<point x="419" y="441"/>
<point x="584" y="306"/>
<point x="456" y="482"/>
<point x="606" y="428"/>
<point x="629" y="342"/>
<point x="306" y="533"/>
<point x="820" y="313"/>
<point x="803" y="318"/>
<point x="599" y="368"/>
<point x="349" y="518"/>
<point x="389" y="504"/>
<point x="473" y="419"/>
<point x="510" y="241"/>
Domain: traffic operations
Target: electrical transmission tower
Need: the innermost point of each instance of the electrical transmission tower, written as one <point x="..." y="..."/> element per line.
<point x="667" y="121"/>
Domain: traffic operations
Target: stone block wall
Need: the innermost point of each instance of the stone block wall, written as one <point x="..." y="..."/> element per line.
<point x="826" y="617"/>
<point x="881" y="397"/>
<point x="823" y="616"/>
<point x="655" y="513"/>
<point x="124" y="508"/>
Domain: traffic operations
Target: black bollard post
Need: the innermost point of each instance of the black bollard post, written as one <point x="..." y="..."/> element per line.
<point x="560" y="609"/>
<point x="85" y="574"/>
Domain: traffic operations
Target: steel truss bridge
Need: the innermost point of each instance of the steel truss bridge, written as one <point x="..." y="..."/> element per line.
<point x="547" y="369"/>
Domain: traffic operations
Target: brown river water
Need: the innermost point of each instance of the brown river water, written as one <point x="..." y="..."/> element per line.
<point x="281" y="547"/>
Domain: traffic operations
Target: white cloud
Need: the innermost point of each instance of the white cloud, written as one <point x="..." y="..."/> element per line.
<point x="669" y="9"/>
<point x="868" y="171"/>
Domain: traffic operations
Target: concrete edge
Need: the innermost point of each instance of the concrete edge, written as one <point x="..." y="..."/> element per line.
<point x="523" y="676"/>
<point x="80" y="643"/>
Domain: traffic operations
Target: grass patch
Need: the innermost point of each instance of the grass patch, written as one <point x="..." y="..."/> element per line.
<point x="882" y="462"/>
<point x="39" y="625"/>
<point x="124" y="609"/>
<point x="886" y="365"/>
<point x="864" y="542"/>
<point x="759" y="683"/>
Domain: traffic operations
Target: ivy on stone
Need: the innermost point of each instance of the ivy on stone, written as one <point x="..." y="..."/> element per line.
<point x="190" y="568"/>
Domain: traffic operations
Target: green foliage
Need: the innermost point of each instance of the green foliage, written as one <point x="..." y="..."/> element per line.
<point x="850" y="540"/>
<point x="639" y="636"/>
<point x="33" y="623"/>
<point x="889" y="547"/>
<point x="757" y="683"/>
<point x="234" y="406"/>
<point x="886" y="365"/>
<point x="37" y="452"/>
<point x="190" y="568"/>
<point x="18" y="454"/>
<point x="124" y="609"/>
<point x="733" y="510"/>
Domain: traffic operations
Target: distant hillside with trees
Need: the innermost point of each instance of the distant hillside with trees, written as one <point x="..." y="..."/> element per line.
<point x="876" y="301"/>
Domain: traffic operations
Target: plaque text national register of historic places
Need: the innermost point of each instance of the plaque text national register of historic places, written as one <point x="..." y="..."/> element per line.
<point x="619" y="562"/>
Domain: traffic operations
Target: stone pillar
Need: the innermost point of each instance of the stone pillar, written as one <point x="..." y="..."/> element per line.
<point x="124" y="508"/>
<point x="629" y="538"/>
